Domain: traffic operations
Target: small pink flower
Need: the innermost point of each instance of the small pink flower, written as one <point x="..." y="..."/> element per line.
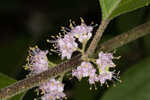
<point x="85" y="70"/>
<point x="93" y="78"/>
<point x="37" y="61"/>
<point x="82" y="32"/>
<point x="66" y="45"/>
<point x="53" y="96"/>
<point x="105" y="60"/>
<point x="53" y="90"/>
<point x="104" y="76"/>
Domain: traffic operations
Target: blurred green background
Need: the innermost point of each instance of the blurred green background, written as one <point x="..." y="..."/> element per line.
<point x="25" y="23"/>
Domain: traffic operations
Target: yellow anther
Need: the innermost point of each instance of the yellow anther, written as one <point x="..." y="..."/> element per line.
<point x="82" y="21"/>
<point x="71" y="26"/>
<point x="36" y="46"/>
<point x="53" y="36"/>
<point x="63" y="28"/>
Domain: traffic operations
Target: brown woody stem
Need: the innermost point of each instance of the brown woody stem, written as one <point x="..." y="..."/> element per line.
<point x="97" y="37"/>
<point x="126" y="37"/>
<point x="34" y="81"/>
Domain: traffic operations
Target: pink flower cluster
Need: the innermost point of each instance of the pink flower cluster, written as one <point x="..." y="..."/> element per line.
<point x="104" y="62"/>
<point x="53" y="90"/>
<point x="82" y="32"/>
<point x="38" y="63"/>
<point x="84" y="70"/>
<point x="67" y="44"/>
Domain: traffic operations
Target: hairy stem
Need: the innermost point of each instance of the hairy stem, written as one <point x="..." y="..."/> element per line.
<point x="126" y="37"/>
<point x="100" y="31"/>
<point x="34" y="81"/>
<point x="109" y="45"/>
<point x="97" y="37"/>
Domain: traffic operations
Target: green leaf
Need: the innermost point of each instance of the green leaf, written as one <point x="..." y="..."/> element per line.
<point x="5" y="81"/>
<point x="113" y="8"/>
<point x="135" y="85"/>
<point x="108" y="7"/>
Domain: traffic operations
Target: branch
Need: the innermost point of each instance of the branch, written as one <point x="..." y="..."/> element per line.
<point x="97" y="37"/>
<point x="126" y="37"/>
<point x="36" y="80"/>
<point x="109" y="45"/>
<point x="101" y="29"/>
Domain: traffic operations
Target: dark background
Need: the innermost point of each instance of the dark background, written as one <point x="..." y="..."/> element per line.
<point x="25" y="23"/>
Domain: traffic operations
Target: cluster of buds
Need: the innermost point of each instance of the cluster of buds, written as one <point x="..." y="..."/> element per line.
<point x="37" y="63"/>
